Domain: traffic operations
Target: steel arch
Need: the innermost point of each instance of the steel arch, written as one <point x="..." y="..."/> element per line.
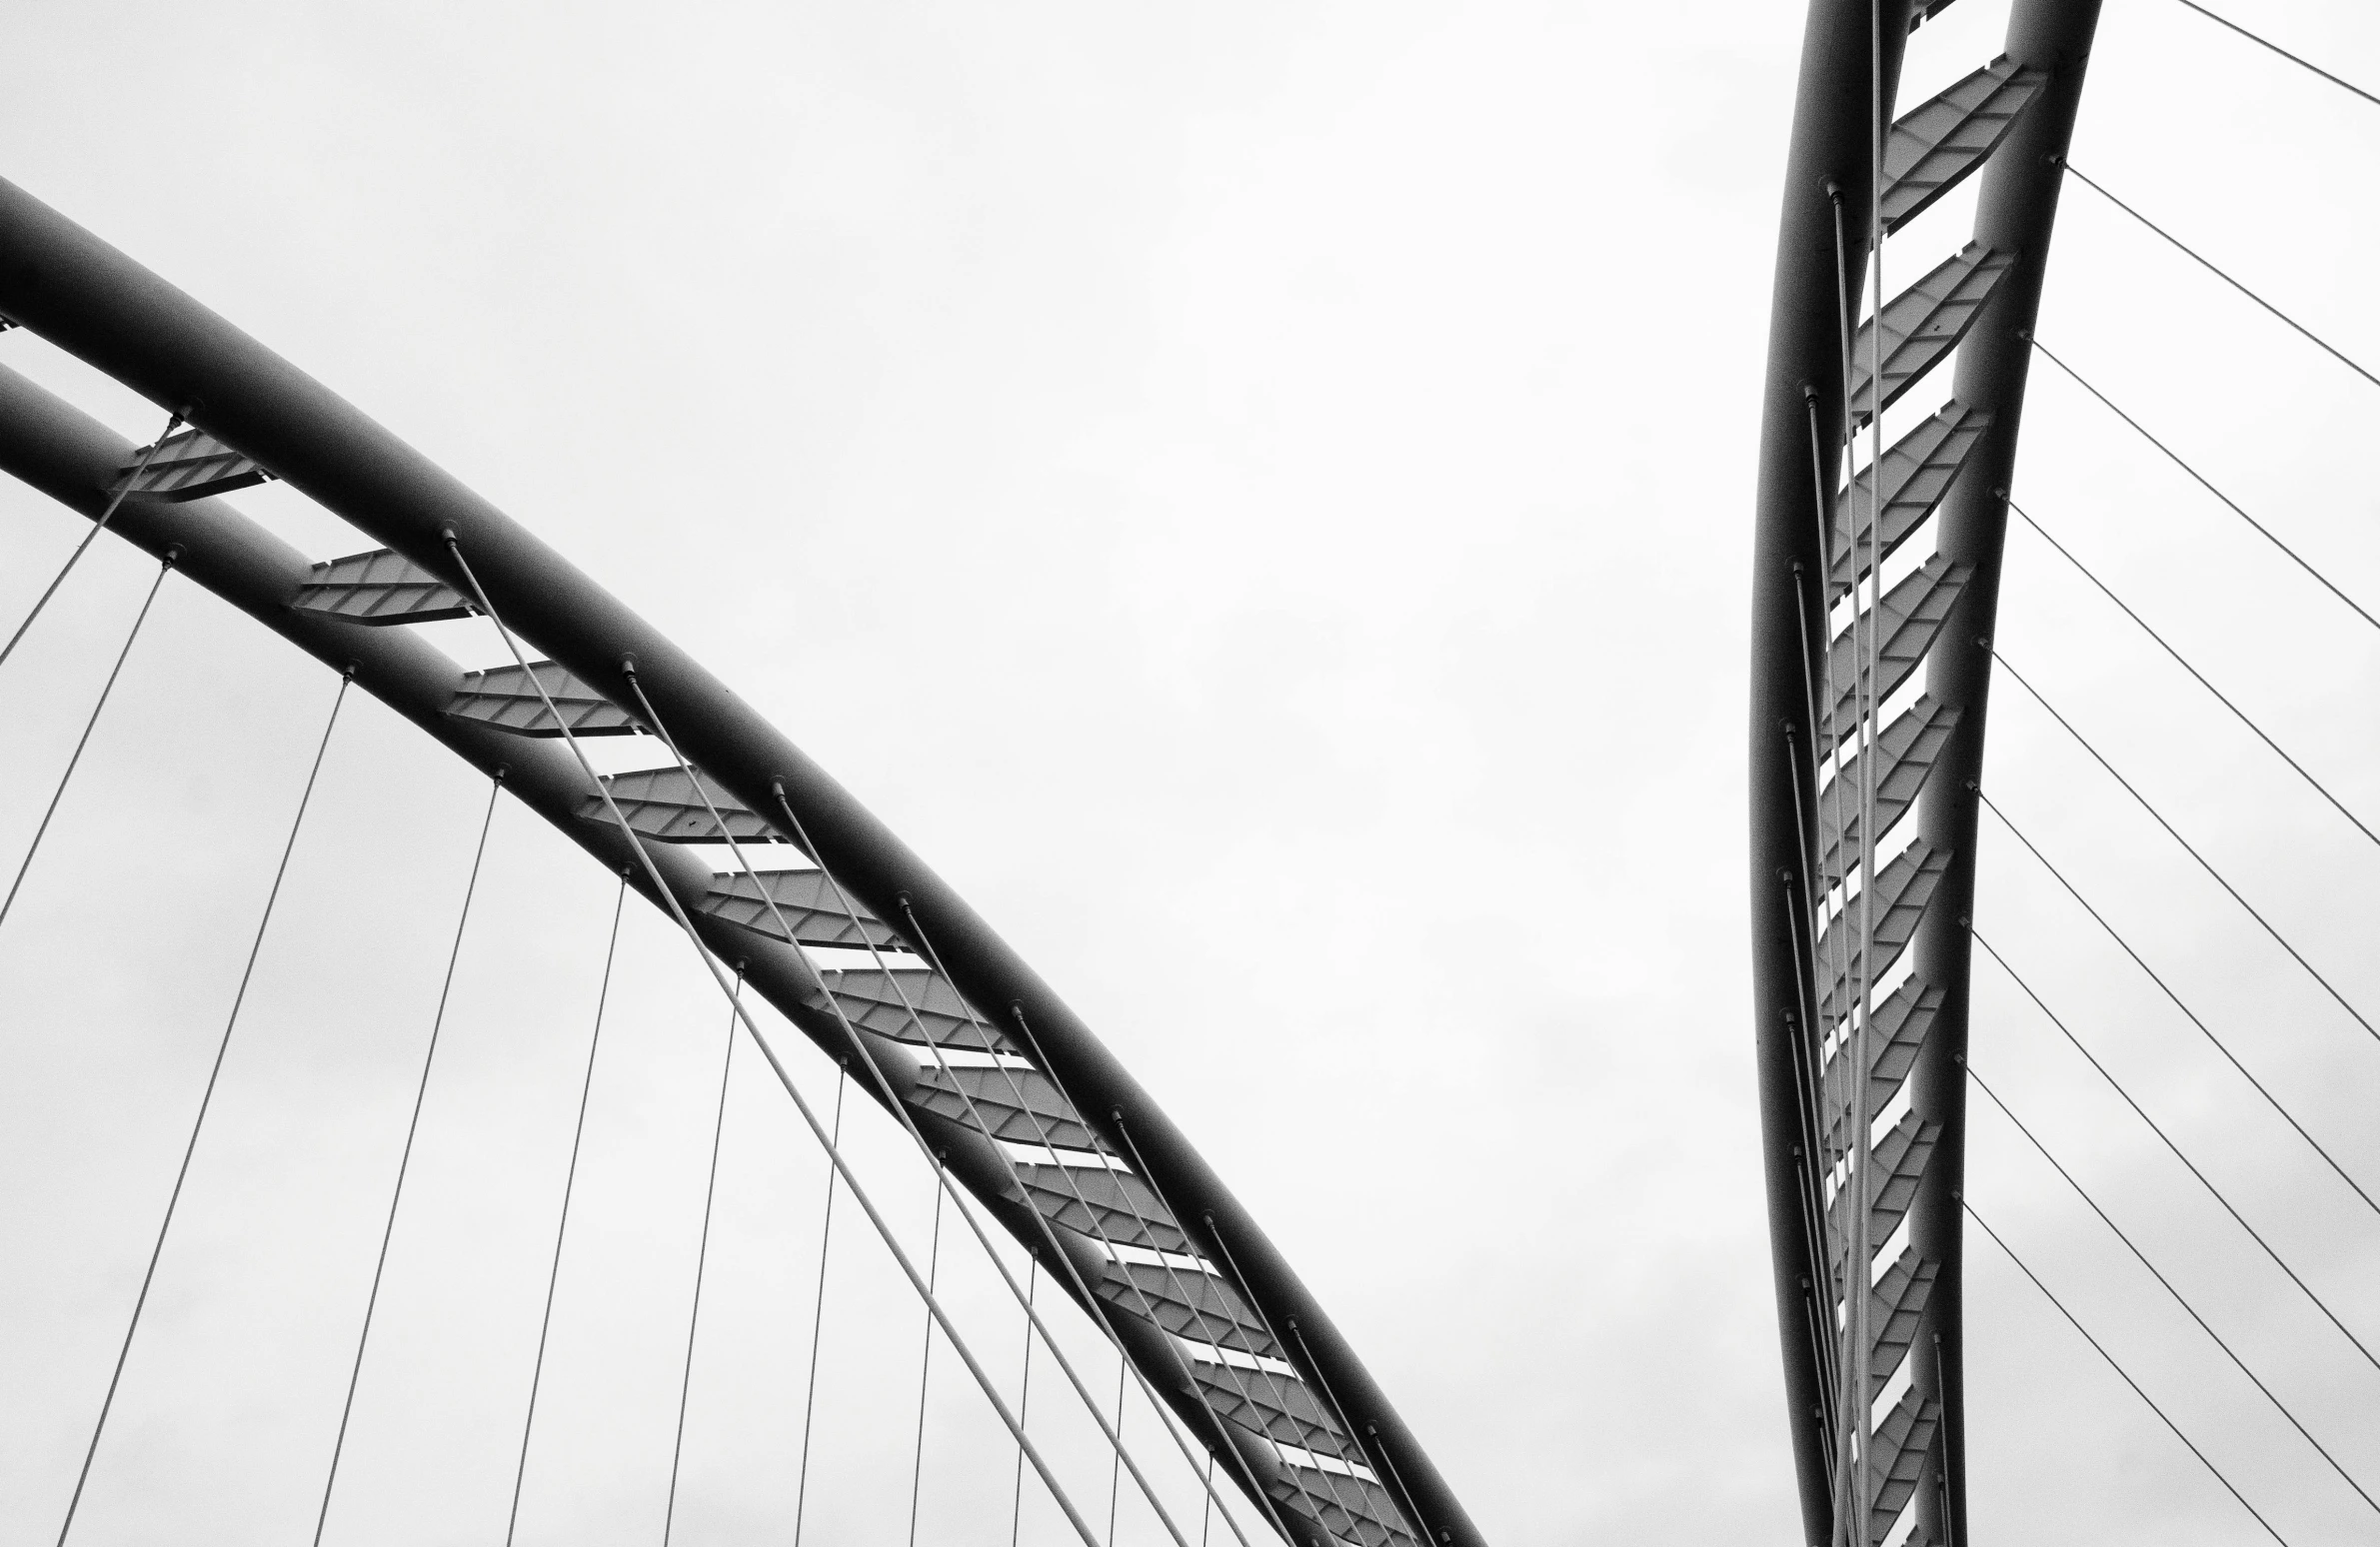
<point x="65" y="284"/>
<point x="2019" y="156"/>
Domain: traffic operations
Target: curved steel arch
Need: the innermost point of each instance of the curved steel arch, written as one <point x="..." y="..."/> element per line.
<point x="2008" y="123"/>
<point x="63" y="282"/>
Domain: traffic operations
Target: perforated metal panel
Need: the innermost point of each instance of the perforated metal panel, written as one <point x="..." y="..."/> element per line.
<point x="505" y="699"/>
<point x="1924" y="323"/>
<point x="379" y="589"/>
<point x="1934" y="147"/>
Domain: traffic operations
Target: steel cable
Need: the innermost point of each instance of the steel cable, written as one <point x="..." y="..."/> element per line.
<point x="1033" y="1280"/>
<point x="2200" y="678"/>
<point x="123" y="487"/>
<point x="570" y="1180"/>
<point x="2120" y="1371"/>
<point x="677" y="909"/>
<point x="818" y="1322"/>
<point x="76" y="757"/>
<point x="2167" y="1140"/>
<point x="2168" y="1286"/>
<point x="2302" y="64"/>
<point x="2204" y="1030"/>
<point x="205" y="1102"/>
<point x="917" y="1465"/>
<point x="893" y="1102"/>
<point x="421" y="1092"/>
<point x="2159" y="818"/>
<point x="701" y="1258"/>
<point x="2201" y="479"/>
<point x="2186" y="251"/>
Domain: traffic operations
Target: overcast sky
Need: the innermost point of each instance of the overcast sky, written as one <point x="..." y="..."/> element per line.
<point x="1258" y="495"/>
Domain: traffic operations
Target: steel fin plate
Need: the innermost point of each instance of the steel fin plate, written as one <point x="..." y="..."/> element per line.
<point x="1046" y="1118"/>
<point x="806" y="901"/>
<point x="378" y="589"/>
<point x="1193" y="1305"/>
<point x="190" y="465"/>
<point x="1919" y="469"/>
<point x="1280" y="1407"/>
<point x="1924" y="323"/>
<point x="664" y="804"/>
<point x="1914" y="611"/>
<point x="1934" y="147"/>
<point x="1904" y="888"/>
<point x="1902" y="1021"/>
<point x="505" y="699"/>
<point x="1353" y="1509"/>
<point x="1896" y="1307"/>
<point x="1904" y="1442"/>
<point x="1906" y="752"/>
<point x="1120" y="1204"/>
<point x="1901" y="1159"/>
<point x="911" y="1005"/>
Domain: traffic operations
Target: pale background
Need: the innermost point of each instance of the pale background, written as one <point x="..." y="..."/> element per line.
<point x="1259" y="495"/>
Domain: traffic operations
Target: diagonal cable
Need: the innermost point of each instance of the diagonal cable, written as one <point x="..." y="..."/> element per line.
<point x="2186" y="251"/>
<point x="413" y="1126"/>
<point x="2196" y="676"/>
<point x="2171" y="455"/>
<point x="2096" y="1348"/>
<point x="785" y="1078"/>
<point x="206" y="1100"/>
<point x="123" y="487"/>
<point x="702" y="1259"/>
<point x="2284" y="53"/>
<point x="569" y="1181"/>
<point x="2096" y="918"/>
<point x="2167" y="1140"/>
<point x="2168" y="1286"/>
<point x="2187" y="848"/>
<point x="83" y="741"/>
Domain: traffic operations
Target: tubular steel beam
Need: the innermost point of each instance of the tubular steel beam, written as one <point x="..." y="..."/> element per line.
<point x="2017" y="205"/>
<point x="65" y="284"/>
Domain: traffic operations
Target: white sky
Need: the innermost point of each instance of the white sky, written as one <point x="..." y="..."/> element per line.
<point x="1260" y="497"/>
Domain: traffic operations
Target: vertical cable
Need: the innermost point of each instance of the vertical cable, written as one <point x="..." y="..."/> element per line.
<point x="1114" y="1468"/>
<point x="702" y="1256"/>
<point x="817" y="1317"/>
<point x="1033" y="1270"/>
<point x="123" y="487"/>
<point x="84" y="740"/>
<point x="677" y="907"/>
<point x="206" y="1100"/>
<point x="570" y="1179"/>
<point x="916" y="1463"/>
<point x="413" y="1126"/>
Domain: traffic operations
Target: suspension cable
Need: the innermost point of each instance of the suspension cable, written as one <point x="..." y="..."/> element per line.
<point x="2303" y="331"/>
<point x="2167" y="1140"/>
<point x="123" y="487"/>
<point x="2237" y="713"/>
<point x="2200" y="479"/>
<point x="1862" y="1053"/>
<point x="2203" y="865"/>
<point x="570" y="1179"/>
<point x="206" y="1100"/>
<point x="817" y="1320"/>
<point x="2168" y="1286"/>
<point x="2192" y="1015"/>
<point x="702" y="1257"/>
<point x="883" y="1084"/>
<point x="1114" y="1494"/>
<point x="2119" y="1370"/>
<point x="2284" y="53"/>
<point x="413" y="1126"/>
<point x="916" y="1463"/>
<point x="777" y="1066"/>
<point x="84" y="740"/>
<point x="1032" y="1279"/>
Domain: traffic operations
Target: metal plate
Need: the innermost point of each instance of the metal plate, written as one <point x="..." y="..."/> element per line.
<point x="379" y="589"/>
